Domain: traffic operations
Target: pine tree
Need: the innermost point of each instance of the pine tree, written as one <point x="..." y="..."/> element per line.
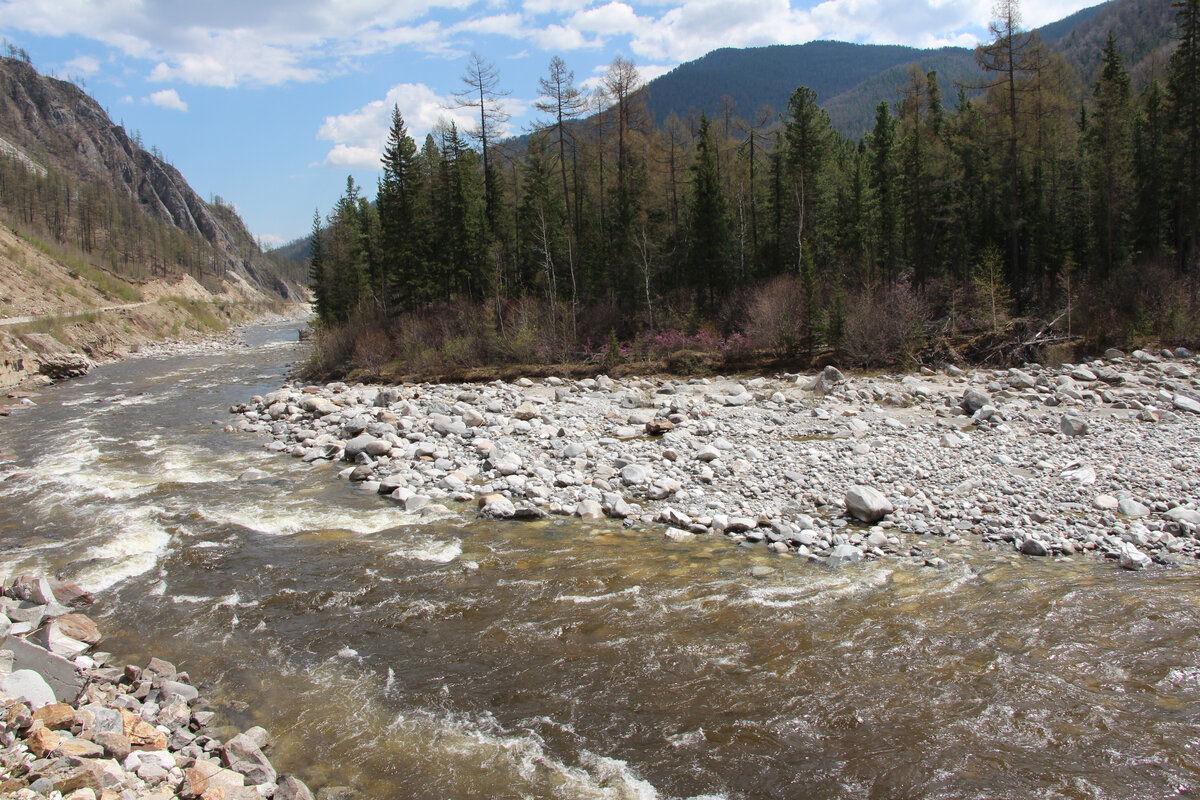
<point x="1111" y="145"/>
<point x="883" y="142"/>
<point x="709" y="240"/>
<point x="317" y="279"/>
<point x="401" y="223"/>
<point x="809" y="135"/>
<point x="1183" y="91"/>
<point x="482" y="92"/>
<point x="1006" y="55"/>
<point x="1151" y="174"/>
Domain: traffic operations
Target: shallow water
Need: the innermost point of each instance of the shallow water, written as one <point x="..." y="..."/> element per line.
<point x="580" y="660"/>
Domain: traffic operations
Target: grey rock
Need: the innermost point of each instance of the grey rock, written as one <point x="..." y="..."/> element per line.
<point x="973" y="400"/>
<point x="64" y="677"/>
<point x="832" y="374"/>
<point x="498" y="507"/>
<point x="243" y="756"/>
<point x="844" y="554"/>
<point x="634" y="475"/>
<point x="1132" y="508"/>
<point x="1072" y="425"/>
<point x="1034" y="547"/>
<point x="1181" y="514"/>
<point x="867" y="504"/>
<point x="1184" y="403"/>
<point x="1020" y="380"/>
<point x="357" y="445"/>
<point x="292" y="788"/>
<point x="589" y="509"/>
<point x="1132" y="558"/>
<point x="188" y="692"/>
<point x="27" y="685"/>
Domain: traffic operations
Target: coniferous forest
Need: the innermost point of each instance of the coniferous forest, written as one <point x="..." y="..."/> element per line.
<point x="606" y="235"/>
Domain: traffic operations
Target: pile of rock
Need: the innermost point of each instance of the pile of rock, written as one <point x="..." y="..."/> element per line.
<point x="811" y="466"/>
<point x="73" y="727"/>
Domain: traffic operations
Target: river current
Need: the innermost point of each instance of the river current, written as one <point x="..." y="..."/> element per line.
<point x="459" y="658"/>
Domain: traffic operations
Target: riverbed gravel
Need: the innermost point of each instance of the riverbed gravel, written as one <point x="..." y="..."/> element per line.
<point x="1096" y="458"/>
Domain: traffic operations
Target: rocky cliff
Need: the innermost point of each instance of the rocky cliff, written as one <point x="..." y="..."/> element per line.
<point x="49" y="123"/>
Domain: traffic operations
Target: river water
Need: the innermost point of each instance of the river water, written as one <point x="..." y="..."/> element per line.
<point x="579" y="660"/>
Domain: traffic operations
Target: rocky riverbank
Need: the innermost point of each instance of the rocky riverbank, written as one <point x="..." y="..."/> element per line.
<point x="1096" y="458"/>
<point x="73" y="726"/>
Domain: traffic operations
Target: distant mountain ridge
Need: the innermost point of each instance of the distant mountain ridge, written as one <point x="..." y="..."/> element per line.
<point x="851" y="79"/>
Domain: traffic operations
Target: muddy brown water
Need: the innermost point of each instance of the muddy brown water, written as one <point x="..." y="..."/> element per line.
<point x="580" y="661"/>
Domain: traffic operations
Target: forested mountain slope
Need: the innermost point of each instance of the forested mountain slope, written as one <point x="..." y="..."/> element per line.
<point x="851" y="79"/>
<point x="72" y="174"/>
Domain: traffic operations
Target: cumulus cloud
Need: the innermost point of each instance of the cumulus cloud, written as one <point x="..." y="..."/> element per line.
<point x="169" y="99"/>
<point x="272" y="42"/>
<point x="83" y="65"/>
<point x="359" y="136"/>
<point x="230" y="43"/>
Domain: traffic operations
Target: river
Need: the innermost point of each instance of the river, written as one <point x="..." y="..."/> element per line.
<point x="469" y="659"/>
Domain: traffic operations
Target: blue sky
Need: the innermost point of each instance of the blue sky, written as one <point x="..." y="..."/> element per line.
<point x="271" y="103"/>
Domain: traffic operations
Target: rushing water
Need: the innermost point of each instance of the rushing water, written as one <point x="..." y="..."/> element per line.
<point x="580" y="660"/>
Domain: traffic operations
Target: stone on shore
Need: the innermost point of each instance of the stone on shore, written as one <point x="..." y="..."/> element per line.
<point x="1072" y="426"/>
<point x="27" y="685"/>
<point x="844" y="554"/>
<point x="866" y="504"/>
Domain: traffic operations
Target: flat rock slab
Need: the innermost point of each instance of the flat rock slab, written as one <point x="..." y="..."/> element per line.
<point x="64" y="678"/>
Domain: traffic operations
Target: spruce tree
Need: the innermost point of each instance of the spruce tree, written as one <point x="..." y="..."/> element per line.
<point x="401" y="223"/>
<point x="1111" y="138"/>
<point x="710" y="233"/>
<point x="1183" y="91"/>
<point x="317" y="280"/>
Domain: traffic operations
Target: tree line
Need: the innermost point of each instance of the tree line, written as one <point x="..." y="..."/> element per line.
<point x="1029" y="192"/>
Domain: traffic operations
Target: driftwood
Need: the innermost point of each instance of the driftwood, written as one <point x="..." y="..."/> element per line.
<point x="1020" y="341"/>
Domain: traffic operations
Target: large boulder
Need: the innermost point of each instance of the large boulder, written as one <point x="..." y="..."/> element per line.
<point x="29" y="686"/>
<point x="242" y="755"/>
<point x="844" y="554"/>
<point x="358" y="444"/>
<point x="866" y="504"/>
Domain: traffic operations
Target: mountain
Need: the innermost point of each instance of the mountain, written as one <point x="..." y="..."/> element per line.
<point x="53" y="132"/>
<point x="1145" y="31"/>
<point x="851" y="79"/>
<point x="104" y="247"/>
<point x="757" y="75"/>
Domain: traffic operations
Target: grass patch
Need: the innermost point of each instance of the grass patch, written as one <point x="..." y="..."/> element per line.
<point x="204" y="316"/>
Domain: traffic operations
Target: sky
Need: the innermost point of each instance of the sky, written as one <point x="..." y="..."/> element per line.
<point x="270" y="104"/>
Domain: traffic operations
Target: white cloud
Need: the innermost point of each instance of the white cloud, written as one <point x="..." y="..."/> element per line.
<point x="83" y="65"/>
<point x="267" y="241"/>
<point x="561" y="38"/>
<point x="359" y="136"/>
<point x="231" y="43"/>
<point x="169" y="99"/>
<point x="511" y="25"/>
<point x="608" y="19"/>
<point x="554" y="6"/>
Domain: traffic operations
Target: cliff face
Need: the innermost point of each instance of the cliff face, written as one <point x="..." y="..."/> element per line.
<point x="53" y="123"/>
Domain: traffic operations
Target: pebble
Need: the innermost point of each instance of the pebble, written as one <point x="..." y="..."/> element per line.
<point x="87" y="731"/>
<point x="1054" y="459"/>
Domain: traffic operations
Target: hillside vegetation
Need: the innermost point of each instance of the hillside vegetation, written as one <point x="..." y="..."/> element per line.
<point x="740" y="240"/>
<point x="93" y="222"/>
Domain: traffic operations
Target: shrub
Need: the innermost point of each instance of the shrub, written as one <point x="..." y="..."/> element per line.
<point x="372" y="350"/>
<point x="778" y="313"/>
<point x="885" y="325"/>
